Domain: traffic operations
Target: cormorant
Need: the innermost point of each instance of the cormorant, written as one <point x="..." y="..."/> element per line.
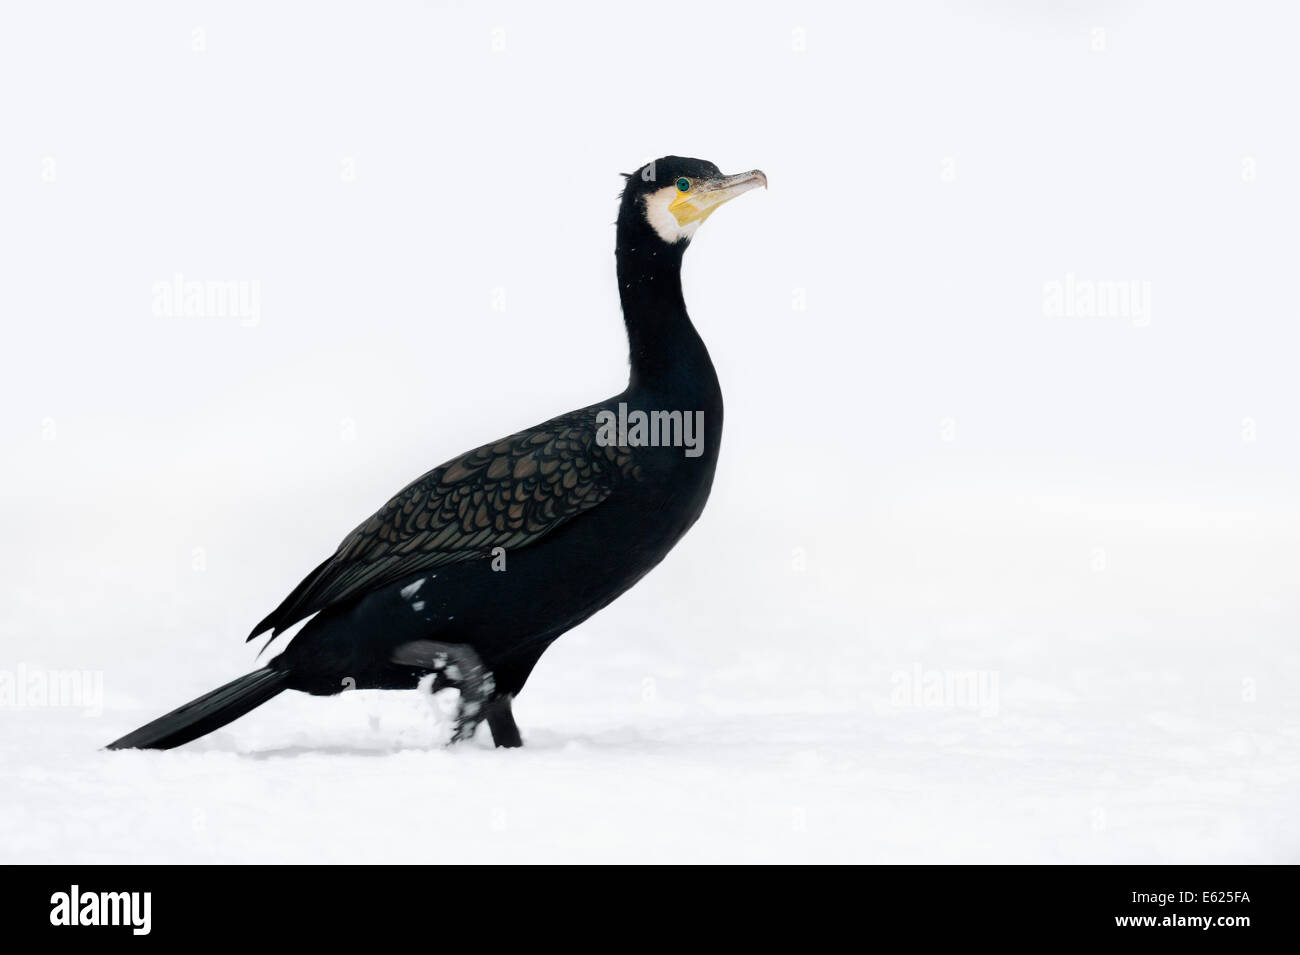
<point x="471" y="571"/>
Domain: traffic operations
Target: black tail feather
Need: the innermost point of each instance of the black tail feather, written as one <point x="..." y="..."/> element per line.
<point x="209" y="712"/>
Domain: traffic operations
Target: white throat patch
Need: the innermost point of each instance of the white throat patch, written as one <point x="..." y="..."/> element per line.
<point x="662" y="220"/>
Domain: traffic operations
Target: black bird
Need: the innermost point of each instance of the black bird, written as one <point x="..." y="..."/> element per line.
<point x="468" y="574"/>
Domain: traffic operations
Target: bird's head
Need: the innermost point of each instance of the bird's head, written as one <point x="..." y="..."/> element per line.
<point x="673" y="195"/>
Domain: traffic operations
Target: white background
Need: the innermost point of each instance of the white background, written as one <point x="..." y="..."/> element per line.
<point x="922" y="470"/>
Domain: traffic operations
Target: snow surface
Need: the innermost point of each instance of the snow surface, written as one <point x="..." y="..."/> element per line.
<point x="760" y="719"/>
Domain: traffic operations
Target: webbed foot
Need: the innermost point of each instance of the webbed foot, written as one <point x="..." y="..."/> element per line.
<point x="454" y="665"/>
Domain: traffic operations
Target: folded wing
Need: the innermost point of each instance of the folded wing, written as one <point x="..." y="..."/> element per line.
<point x="508" y="494"/>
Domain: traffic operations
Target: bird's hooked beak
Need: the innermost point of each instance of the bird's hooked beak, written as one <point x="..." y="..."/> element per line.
<point x="705" y="195"/>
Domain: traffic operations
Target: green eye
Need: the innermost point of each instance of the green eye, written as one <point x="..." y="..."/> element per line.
<point x="683" y="185"/>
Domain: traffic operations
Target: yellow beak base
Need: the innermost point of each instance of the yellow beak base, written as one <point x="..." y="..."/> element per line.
<point x="705" y="195"/>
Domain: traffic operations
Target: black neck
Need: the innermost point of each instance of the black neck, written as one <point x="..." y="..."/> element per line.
<point x="664" y="348"/>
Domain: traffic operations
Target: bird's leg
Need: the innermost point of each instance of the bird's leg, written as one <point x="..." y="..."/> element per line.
<point x="501" y="721"/>
<point x="454" y="664"/>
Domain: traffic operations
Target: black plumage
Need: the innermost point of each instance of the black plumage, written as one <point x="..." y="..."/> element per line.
<point x="471" y="571"/>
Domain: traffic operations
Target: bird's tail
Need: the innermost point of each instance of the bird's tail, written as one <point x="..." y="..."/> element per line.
<point x="209" y="712"/>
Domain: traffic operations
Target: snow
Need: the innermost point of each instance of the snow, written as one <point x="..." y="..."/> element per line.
<point x="787" y="713"/>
